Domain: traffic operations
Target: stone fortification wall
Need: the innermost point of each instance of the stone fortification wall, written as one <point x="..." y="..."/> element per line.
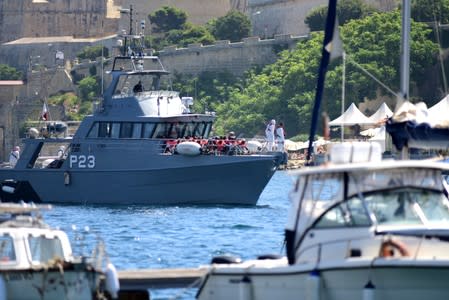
<point x="271" y="17"/>
<point x="33" y="18"/>
<point x="31" y="53"/>
<point x="235" y="58"/>
<point x="199" y="11"/>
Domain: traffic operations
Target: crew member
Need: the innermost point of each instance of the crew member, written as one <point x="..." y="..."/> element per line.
<point x="280" y="137"/>
<point x="14" y="156"/>
<point x="138" y="88"/>
<point x="269" y="134"/>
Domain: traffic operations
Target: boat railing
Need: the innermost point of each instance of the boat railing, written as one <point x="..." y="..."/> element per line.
<point x="374" y="248"/>
<point x="211" y="146"/>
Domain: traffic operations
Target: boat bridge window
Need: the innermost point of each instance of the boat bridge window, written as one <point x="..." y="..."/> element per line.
<point x="163" y="130"/>
<point x="7" y="251"/>
<point x="43" y="248"/>
<point x="148" y="82"/>
<point x="347" y="214"/>
<point x="409" y="206"/>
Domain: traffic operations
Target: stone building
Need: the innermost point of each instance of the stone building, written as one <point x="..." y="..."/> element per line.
<point x="43" y="18"/>
<point x="10" y="93"/>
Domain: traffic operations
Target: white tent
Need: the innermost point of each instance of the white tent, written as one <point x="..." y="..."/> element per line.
<point x="379" y="137"/>
<point x="382" y="112"/>
<point x="438" y="115"/>
<point x="351" y="116"/>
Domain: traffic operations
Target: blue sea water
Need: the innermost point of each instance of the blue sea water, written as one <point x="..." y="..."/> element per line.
<point x="144" y="237"/>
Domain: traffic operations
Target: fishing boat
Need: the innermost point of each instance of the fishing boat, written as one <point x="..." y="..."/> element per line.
<point x="37" y="262"/>
<point x="142" y="145"/>
<point x="359" y="227"/>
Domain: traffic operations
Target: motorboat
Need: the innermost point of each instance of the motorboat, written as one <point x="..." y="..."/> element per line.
<point x="37" y="261"/>
<point x="142" y="145"/>
<point x="360" y="229"/>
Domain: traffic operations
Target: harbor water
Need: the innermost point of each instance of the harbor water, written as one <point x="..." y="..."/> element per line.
<point x="149" y="237"/>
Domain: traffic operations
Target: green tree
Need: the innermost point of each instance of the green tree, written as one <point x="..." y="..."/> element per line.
<point x="92" y="52"/>
<point x="168" y="18"/>
<point x="89" y="88"/>
<point x="9" y="73"/>
<point x="285" y="90"/>
<point x="190" y="35"/>
<point x="431" y="11"/>
<point x="234" y="26"/>
<point x="346" y="10"/>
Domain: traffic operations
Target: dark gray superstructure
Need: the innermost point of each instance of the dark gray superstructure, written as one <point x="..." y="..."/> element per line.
<point x="128" y="152"/>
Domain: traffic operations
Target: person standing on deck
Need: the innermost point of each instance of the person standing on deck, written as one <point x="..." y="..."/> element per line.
<point x="14" y="156"/>
<point x="269" y="134"/>
<point x="280" y="137"/>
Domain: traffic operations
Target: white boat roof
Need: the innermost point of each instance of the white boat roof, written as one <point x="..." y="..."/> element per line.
<point x="371" y="166"/>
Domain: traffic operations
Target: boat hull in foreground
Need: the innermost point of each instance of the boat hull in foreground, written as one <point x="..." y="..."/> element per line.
<point x="399" y="280"/>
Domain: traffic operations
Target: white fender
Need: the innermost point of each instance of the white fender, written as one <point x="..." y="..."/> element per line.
<point x="188" y="148"/>
<point x="369" y="291"/>
<point x="245" y="288"/>
<point x="3" y="290"/>
<point x="112" y="282"/>
<point x="8" y="189"/>
<point x="313" y="286"/>
<point x="254" y="146"/>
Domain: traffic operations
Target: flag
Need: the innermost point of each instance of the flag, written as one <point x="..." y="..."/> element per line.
<point x="44" y="115"/>
<point x="332" y="48"/>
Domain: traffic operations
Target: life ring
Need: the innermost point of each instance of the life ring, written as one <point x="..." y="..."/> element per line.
<point x="389" y="248"/>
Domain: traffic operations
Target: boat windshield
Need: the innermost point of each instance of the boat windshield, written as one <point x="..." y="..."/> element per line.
<point x="141" y="82"/>
<point x="45" y="248"/>
<point x="408" y="206"/>
<point x="7" y="251"/>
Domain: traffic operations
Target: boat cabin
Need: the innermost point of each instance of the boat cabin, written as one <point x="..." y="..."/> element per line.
<point x="348" y="210"/>
<point x="26" y="241"/>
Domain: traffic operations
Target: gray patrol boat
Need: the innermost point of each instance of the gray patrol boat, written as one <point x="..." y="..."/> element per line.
<point x="140" y="146"/>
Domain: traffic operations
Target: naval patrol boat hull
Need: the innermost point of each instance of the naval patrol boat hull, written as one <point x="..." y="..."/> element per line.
<point x="201" y="182"/>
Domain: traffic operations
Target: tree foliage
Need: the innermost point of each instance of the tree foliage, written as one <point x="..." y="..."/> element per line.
<point x="89" y="88"/>
<point x="347" y="10"/>
<point x="168" y="18"/>
<point x="431" y="11"/>
<point x="190" y="35"/>
<point x="9" y="73"/>
<point x="234" y="26"/>
<point x="92" y="52"/>
<point x="285" y="90"/>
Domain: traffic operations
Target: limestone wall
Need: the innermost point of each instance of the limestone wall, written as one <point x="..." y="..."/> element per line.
<point x="31" y="18"/>
<point x="38" y="53"/>
<point x="235" y="58"/>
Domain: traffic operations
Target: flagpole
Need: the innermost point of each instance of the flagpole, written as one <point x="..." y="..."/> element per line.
<point x="343" y="94"/>
<point x="326" y="55"/>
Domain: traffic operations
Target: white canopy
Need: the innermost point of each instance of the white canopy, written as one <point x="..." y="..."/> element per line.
<point x="352" y="116"/>
<point x="382" y="112"/>
<point x="439" y="113"/>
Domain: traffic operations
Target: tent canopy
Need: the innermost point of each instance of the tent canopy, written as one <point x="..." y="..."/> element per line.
<point x="351" y="116"/>
<point x="382" y="112"/>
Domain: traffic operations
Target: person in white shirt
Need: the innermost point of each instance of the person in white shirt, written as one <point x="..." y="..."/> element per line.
<point x="269" y="134"/>
<point x="14" y="156"/>
<point x="280" y="137"/>
<point x="61" y="152"/>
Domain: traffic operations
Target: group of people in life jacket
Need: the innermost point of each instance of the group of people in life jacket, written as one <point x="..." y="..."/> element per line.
<point x="275" y="136"/>
<point x="218" y="145"/>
